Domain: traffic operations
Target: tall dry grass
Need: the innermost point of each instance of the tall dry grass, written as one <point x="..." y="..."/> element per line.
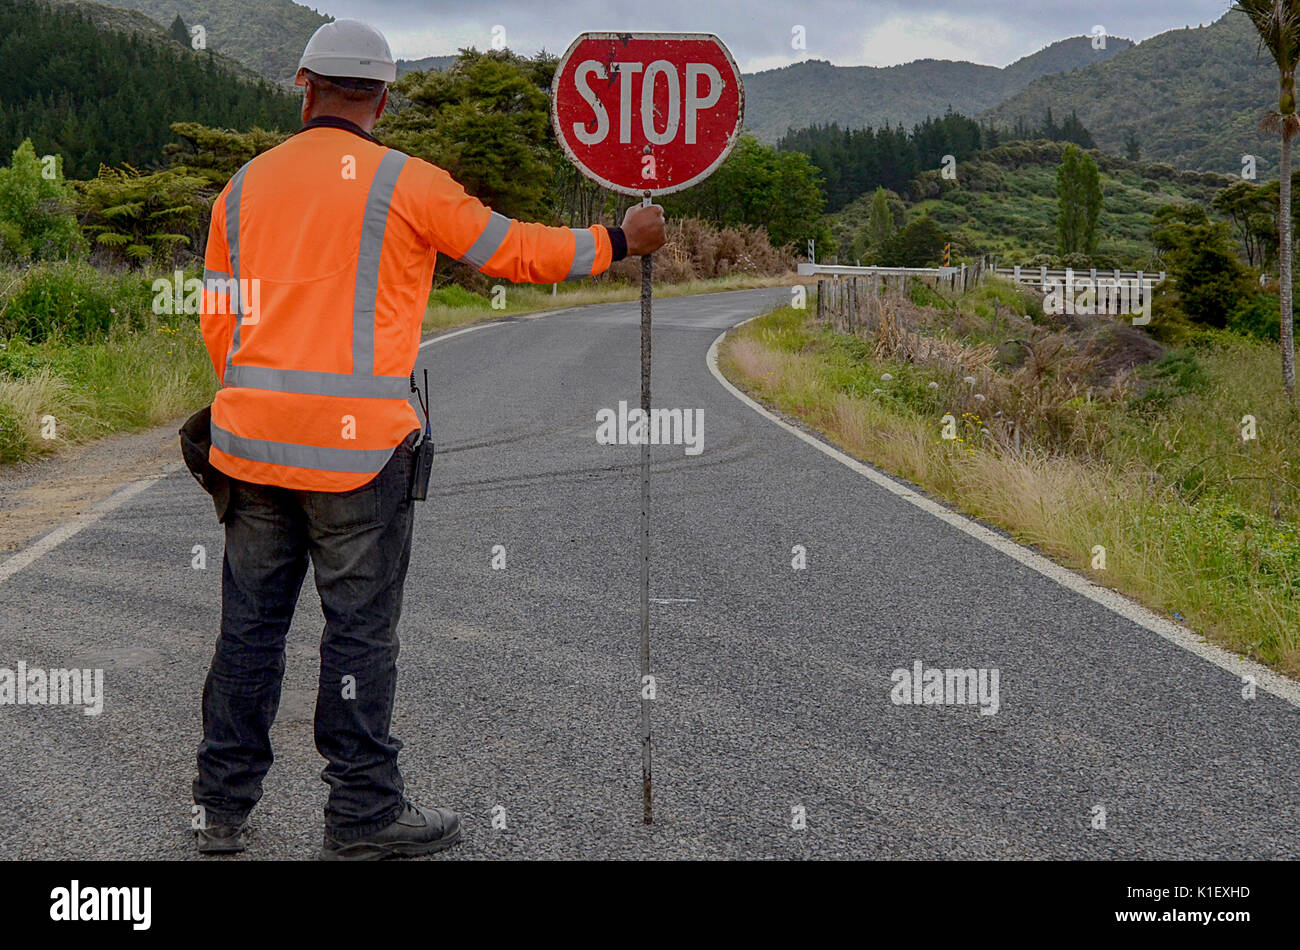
<point x="698" y="250"/>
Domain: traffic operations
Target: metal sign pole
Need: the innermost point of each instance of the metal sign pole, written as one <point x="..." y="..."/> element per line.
<point x="647" y="284"/>
<point x="681" y="161"/>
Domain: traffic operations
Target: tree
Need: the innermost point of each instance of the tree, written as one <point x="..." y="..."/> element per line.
<point x="760" y="186"/>
<point x="1278" y="24"/>
<point x="880" y="227"/>
<point x="36" y="220"/>
<point x="180" y="32"/>
<point x="486" y="120"/>
<point x="1252" y="211"/>
<point x="216" y="154"/>
<point x="97" y="96"/>
<point x="920" y="244"/>
<point x="1072" y="130"/>
<point x="1132" y="146"/>
<point x="853" y="162"/>
<point x="1078" y="190"/>
<point x="1209" y="280"/>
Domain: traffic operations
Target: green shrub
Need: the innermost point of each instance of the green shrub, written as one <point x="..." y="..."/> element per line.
<point x="36" y="221"/>
<point x="920" y="244"/>
<point x="139" y="220"/>
<point x="21" y="359"/>
<point x="73" y="301"/>
<point x="1241" y="551"/>
<point x="1005" y="294"/>
<point x="1075" y="259"/>
<point x="1178" y="373"/>
<point x="1031" y="305"/>
<point x="1209" y="281"/>
<point x="454" y="295"/>
<point x="923" y="295"/>
<point x="1258" y="315"/>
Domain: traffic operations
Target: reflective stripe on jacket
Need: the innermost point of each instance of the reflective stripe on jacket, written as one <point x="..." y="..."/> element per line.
<point x="319" y="262"/>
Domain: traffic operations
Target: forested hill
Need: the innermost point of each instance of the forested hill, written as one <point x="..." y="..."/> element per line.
<point x="815" y="92"/>
<point x="265" y="35"/>
<point x="133" y="22"/>
<point x="1193" y="97"/>
<point x="96" y="95"/>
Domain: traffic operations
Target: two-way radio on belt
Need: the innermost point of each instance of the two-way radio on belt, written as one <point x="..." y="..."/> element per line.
<point x="424" y="449"/>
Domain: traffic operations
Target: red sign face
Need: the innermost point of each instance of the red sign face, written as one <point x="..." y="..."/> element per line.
<point x="647" y="112"/>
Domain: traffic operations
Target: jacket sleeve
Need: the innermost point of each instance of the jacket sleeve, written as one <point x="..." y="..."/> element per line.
<point x="217" y="314"/>
<point x="458" y="224"/>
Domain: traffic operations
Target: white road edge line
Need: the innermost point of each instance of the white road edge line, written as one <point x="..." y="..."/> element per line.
<point x="1266" y="679"/>
<point x="48" y="542"/>
<point x="470" y="329"/>
<point x="499" y="322"/>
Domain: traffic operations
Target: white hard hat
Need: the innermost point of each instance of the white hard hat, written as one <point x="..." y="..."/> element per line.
<point x="348" y="48"/>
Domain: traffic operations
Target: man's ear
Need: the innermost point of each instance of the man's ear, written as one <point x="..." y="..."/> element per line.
<point x="308" y="100"/>
<point x="383" y="101"/>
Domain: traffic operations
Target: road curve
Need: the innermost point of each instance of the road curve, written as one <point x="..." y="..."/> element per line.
<point x="518" y="688"/>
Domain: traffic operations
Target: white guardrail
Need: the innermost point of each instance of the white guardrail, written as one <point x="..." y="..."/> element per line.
<point x="1045" y="275"/>
<point x="850" y="270"/>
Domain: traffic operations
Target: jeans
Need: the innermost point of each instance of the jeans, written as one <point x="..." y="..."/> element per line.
<point x="359" y="543"/>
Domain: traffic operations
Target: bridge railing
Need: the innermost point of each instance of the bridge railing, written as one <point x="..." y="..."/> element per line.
<point x="1139" y="285"/>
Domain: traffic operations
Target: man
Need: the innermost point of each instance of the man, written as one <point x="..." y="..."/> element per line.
<point x="318" y="268"/>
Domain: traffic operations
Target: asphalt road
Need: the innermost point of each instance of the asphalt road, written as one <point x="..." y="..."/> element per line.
<point x="519" y="688"/>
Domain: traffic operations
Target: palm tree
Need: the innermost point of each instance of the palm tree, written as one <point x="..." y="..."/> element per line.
<point x="1278" y="24"/>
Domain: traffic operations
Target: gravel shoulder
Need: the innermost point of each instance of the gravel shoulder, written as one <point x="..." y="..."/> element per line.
<point x="38" y="496"/>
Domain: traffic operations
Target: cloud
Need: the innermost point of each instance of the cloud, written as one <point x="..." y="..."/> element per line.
<point x="939" y="35"/>
<point x="846" y="32"/>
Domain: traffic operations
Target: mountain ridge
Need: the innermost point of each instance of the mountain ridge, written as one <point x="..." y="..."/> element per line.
<point x="859" y="96"/>
<point x="267" y="36"/>
<point x="1193" y="96"/>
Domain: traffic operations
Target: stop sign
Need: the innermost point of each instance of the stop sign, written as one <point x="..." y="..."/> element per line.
<point x="647" y="112"/>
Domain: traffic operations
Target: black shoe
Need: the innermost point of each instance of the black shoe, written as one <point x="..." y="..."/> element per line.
<point x="416" y="831"/>
<point x="222" y="839"/>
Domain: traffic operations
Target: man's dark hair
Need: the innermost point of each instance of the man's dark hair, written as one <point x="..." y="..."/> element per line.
<point x="348" y="89"/>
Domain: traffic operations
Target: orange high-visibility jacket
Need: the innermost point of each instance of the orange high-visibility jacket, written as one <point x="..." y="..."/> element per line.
<point x="317" y="275"/>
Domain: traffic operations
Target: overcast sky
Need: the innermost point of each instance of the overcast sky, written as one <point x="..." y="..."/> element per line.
<point x="759" y="32"/>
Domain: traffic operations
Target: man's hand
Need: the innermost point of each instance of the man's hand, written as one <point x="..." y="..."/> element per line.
<point x="643" y="226"/>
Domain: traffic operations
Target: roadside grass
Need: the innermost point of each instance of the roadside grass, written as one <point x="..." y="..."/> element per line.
<point x="130" y="380"/>
<point x="1196" y="523"/>
<point x="453" y="306"/>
